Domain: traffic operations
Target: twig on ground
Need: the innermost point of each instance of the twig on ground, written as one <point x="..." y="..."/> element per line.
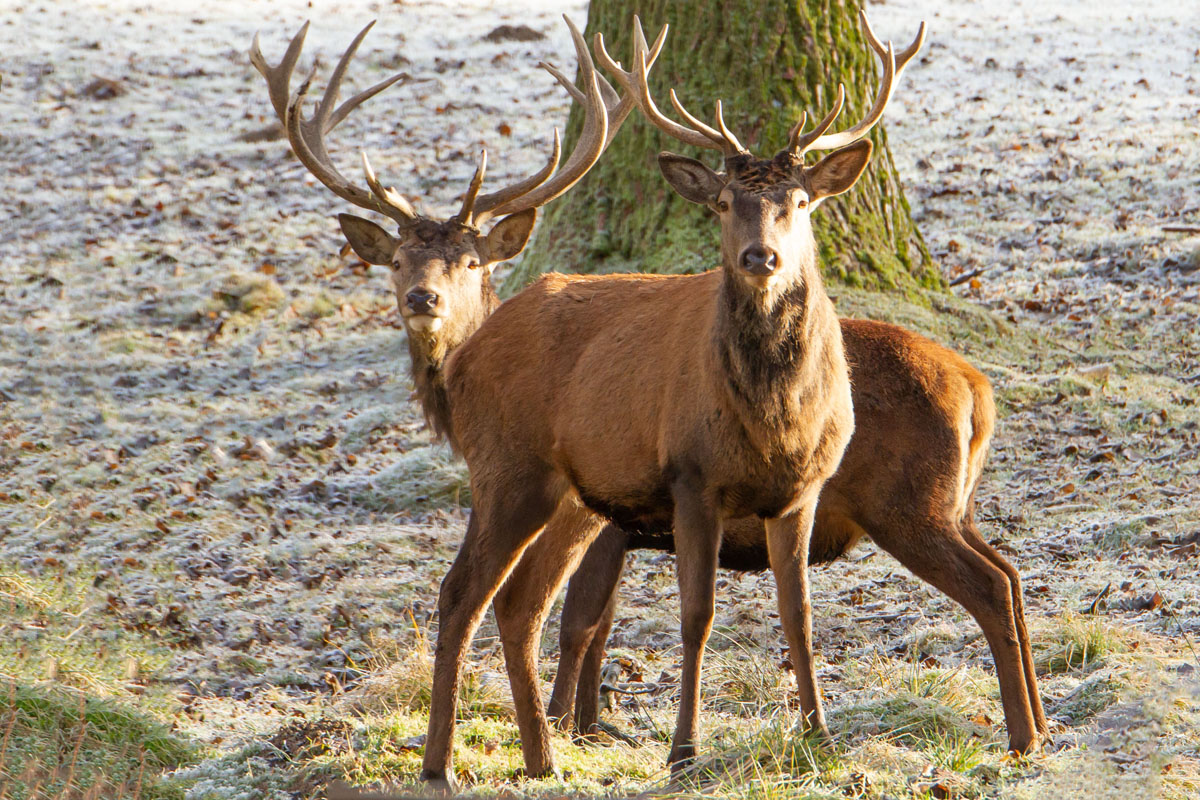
<point x="975" y="273"/>
<point x="1094" y="607"/>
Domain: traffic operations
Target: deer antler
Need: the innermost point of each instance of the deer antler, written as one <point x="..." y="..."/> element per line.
<point x="635" y="81"/>
<point x="893" y="64"/>
<point x="604" y="111"/>
<point x="307" y="136"/>
<point x="699" y="134"/>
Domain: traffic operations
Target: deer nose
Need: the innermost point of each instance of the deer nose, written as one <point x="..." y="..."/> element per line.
<point x="759" y="260"/>
<point x="421" y="301"/>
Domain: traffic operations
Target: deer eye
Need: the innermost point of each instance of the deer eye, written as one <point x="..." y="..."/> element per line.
<point x="802" y="202"/>
<point x="473" y="263"/>
<point x="722" y="206"/>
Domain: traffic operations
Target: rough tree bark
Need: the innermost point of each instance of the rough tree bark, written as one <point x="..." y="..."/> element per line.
<point x="768" y="60"/>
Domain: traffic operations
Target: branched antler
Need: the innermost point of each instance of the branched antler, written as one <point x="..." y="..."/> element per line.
<point x="636" y="82"/>
<point x="604" y="111"/>
<point x="699" y="134"/>
<point x="893" y="64"/>
<point x="307" y="136"/>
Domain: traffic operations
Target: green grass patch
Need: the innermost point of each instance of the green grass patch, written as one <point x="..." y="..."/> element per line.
<point x="1079" y="644"/>
<point x="49" y="628"/>
<point x="778" y="758"/>
<point x="56" y="742"/>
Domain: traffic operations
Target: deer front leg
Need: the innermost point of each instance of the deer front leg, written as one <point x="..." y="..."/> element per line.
<point x="697" y="542"/>
<point x="502" y="525"/>
<point x="787" y="546"/>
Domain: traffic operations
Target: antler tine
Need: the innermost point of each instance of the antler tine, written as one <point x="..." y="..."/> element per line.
<point x="796" y="129"/>
<point x="636" y="81"/>
<point x="464" y="216"/>
<point x="798" y="144"/>
<point x="703" y="136"/>
<point x="307" y="135"/>
<point x="629" y="82"/>
<point x="325" y="108"/>
<point x="903" y="57"/>
<point x="619" y="107"/>
<point x="892" y="67"/>
<point x="565" y="82"/>
<point x="720" y="134"/>
<point x="832" y="141"/>
<point x="279" y="78"/>
<point x="592" y="141"/>
<point x="386" y="195"/>
<point x="345" y="108"/>
<point x="617" y="114"/>
<point x="726" y="134"/>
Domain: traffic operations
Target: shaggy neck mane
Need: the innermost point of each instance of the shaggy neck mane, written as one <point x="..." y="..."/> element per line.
<point x="766" y="349"/>
<point x="429" y="350"/>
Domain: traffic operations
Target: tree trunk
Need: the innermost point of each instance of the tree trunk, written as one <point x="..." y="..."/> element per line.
<point x="768" y="61"/>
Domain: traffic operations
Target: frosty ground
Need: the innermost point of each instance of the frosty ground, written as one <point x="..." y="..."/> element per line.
<point x="220" y="513"/>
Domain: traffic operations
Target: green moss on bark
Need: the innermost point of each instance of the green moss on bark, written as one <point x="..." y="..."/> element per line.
<point x="768" y="61"/>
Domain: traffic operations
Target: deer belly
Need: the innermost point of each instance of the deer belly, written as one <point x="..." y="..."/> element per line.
<point x="612" y="464"/>
<point x="637" y="506"/>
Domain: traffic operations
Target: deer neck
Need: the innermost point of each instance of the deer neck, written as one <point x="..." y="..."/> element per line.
<point x="774" y="351"/>
<point x="430" y="350"/>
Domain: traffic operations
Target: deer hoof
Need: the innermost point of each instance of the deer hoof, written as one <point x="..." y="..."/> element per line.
<point x="681" y="759"/>
<point x="1022" y="748"/>
<point x="438" y="782"/>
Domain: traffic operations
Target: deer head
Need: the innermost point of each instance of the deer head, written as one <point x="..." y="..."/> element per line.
<point x="441" y="268"/>
<point x="764" y="204"/>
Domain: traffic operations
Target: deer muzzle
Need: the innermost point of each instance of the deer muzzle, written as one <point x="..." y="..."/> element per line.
<point x="759" y="261"/>
<point x="421" y="301"/>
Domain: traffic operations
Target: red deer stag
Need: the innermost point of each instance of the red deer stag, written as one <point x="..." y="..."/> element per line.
<point x="441" y="273"/>
<point x="660" y="403"/>
<point x="932" y="533"/>
<point x="922" y="421"/>
<point x="441" y="269"/>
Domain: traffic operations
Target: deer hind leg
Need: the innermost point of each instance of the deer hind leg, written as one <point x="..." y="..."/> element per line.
<point x="972" y="536"/>
<point x="504" y="521"/>
<point x="940" y="554"/>
<point x="587" y="694"/>
<point x="787" y="546"/>
<point x="521" y="607"/>
<point x="587" y="617"/>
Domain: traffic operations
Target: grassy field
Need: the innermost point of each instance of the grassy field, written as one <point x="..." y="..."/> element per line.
<point x="223" y="526"/>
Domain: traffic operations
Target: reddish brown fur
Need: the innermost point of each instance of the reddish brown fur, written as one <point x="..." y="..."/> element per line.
<point x="923" y="420"/>
<point x="667" y="402"/>
<point x="591" y="413"/>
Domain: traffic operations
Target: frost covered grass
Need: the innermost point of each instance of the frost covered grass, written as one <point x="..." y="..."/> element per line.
<point x="420" y="479"/>
<point x="222" y="525"/>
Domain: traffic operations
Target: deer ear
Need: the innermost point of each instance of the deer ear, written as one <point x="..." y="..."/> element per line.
<point x="509" y="236"/>
<point x="690" y="178"/>
<point x="370" y="242"/>
<point x="838" y="171"/>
